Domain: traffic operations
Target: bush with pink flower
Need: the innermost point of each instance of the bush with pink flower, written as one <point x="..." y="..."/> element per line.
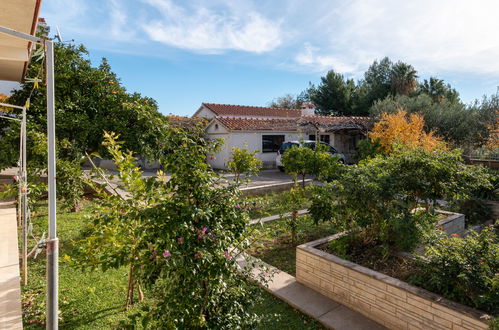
<point x="178" y="238"/>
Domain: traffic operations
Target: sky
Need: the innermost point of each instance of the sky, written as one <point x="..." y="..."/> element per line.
<point x="248" y="52"/>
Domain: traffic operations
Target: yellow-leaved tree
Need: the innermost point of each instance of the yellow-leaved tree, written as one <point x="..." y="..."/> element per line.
<point x="493" y="140"/>
<point x="403" y="129"/>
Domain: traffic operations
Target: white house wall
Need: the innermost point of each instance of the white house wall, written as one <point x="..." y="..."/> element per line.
<point x="247" y="140"/>
<point x="205" y="113"/>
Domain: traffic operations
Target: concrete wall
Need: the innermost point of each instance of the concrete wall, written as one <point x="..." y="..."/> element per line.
<point x="384" y="299"/>
<point x="494" y="164"/>
<point x="246" y="140"/>
<point x="454" y="223"/>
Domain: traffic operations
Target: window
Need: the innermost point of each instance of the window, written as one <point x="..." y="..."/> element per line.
<point x="271" y="143"/>
<point x="325" y="138"/>
<point x="311" y="137"/>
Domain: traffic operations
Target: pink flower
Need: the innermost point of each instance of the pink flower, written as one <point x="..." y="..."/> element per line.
<point x="227" y="255"/>
<point x="238" y="206"/>
<point x="204" y="230"/>
<point x="180" y="240"/>
<point x="155" y="252"/>
<point x="166" y="254"/>
<point x="197" y="255"/>
<point x="454" y="235"/>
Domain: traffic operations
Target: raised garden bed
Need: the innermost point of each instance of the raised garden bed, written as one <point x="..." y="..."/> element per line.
<point x="272" y="241"/>
<point x="384" y="299"/>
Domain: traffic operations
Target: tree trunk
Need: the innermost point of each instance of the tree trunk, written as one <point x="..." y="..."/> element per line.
<point x="129" y="297"/>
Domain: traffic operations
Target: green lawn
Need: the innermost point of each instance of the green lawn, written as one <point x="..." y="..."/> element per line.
<point x="94" y="299"/>
<point x="267" y="205"/>
<point x="272" y="241"/>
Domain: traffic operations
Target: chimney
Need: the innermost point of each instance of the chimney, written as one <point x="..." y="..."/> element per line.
<point x="307" y="109"/>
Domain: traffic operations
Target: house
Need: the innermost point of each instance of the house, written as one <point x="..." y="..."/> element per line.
<point x="265" y="129"/>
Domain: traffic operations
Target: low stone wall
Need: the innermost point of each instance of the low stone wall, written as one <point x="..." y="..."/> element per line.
<point x="454" y="223"/>
<point x="269" y="188"/>
<point x="494" y="164"/>
<point x="384" y="299"/>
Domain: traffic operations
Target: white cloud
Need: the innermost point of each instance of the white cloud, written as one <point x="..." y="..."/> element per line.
<point x="434" y="36"/>
<point x="310" y="58"/>
<point x="207" y="30"/>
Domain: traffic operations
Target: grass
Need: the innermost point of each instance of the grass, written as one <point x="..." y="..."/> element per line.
<point x="273" y="241"/>
<point x="267" y="205"/>
<point x="94" y="299"/>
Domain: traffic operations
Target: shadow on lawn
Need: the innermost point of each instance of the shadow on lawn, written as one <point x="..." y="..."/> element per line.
<point x="75" y="321"/>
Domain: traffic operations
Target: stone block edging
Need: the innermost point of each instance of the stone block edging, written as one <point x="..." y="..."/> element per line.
<point x="384" y="299"/>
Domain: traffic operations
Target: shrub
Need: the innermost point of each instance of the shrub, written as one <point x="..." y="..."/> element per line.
<point x="368" y="149"/>
<point x="243" y="162"/>
<point x="179" y="236"/>
<point x="292" y="202"/>
<point x="296" y="161"/>
<point x="407" y="130"/>
<point x="70" y="183"/>
<point x="317" y="161"/>
<point x="380" y="196"/>
<point x="463" y="269"/>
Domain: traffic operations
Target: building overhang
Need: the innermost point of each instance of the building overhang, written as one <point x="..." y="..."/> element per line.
<point x="15" y="53"/>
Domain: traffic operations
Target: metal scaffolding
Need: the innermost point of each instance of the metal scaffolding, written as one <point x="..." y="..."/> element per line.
<point x="52" y="241"/>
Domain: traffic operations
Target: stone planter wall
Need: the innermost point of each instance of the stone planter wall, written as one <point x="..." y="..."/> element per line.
<point x="454" y="223"/>
<point x="384" y="299"/>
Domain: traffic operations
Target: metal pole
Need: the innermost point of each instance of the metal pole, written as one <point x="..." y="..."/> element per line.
<point x="24" y="199"/>
<point x="19" y="180"/>
<point x="52" y="242"/>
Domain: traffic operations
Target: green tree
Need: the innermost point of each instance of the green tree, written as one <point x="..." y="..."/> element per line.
<point x="177" y="239"/>
<point x="438" y="91"/>
<point x="296" y="161"/>
<point x="89" y="101"/>
<point x="460" y="125"/>
<point x="403" y="78"/>
<point x="287" y="101"/>
<point x="293" y="202"/>
<point x="70" y="183"/>
<point x="243" y="162"/>
<point x="379" y="197"/>
<point x="334" y="95"/>
<point x="376" y="84"/>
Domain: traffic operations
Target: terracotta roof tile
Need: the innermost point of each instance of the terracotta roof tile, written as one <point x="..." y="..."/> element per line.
<point x="333" y="120"/>
<point x="292" y="124"/>
<point x="251" y="124"/>
<point x="244" y="110"/>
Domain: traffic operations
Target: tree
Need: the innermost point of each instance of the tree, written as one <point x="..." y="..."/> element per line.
<point x="493" y="139"/>
<point x="376" y="84"/>
<point x="296" y="161"/>
<point x="287" y="101"/>
<point x="459" y="125"/>
<point x="89" y="101"/>
<point x="403" y="78"/>
<point x="292" y="201"/>
<point x="334" y="95"/>
<point x="243" y="162"/>
<point x="177" y="238"/>
<point x="438" y="91"/>
<point x="402" y="129"/>
<point x="379" y="197"/>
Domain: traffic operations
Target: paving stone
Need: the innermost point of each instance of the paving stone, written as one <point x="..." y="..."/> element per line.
<point x="327" y="311"/>
<point x="343" y="318"/>
<point x="10" y="288"/>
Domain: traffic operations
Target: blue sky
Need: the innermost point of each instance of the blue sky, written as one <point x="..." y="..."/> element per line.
<point x="248" y="52"/>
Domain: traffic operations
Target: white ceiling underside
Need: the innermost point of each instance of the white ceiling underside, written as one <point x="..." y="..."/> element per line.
<point x="22" y="16"/>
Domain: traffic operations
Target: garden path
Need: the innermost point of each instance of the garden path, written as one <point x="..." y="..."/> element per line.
<point x="10" y="283"/>
<point x="327" y="311"/>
